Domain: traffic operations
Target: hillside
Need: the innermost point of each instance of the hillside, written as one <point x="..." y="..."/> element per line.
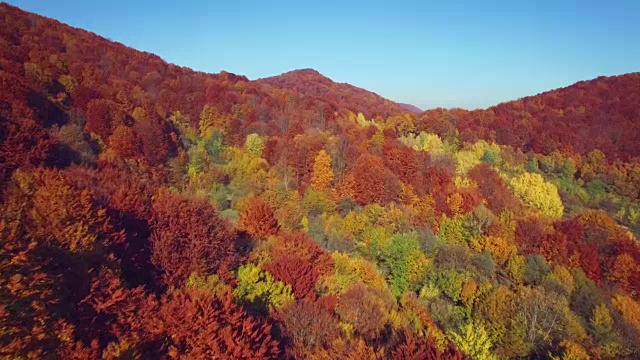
<point x="151" y="211"/>
<point x="601" y="114"/>
<point x="312" y="83"/>
<point x="411" y="108"/>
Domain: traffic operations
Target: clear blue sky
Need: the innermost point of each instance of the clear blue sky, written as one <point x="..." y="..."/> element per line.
<point x="428" y="53"/>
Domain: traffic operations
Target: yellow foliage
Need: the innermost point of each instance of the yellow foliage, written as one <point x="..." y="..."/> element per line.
<point x="534" y="191"/>
<point x="322" y="173"/>
<point x="348" y="271"/>
<point x="501" y="248"/>
<point x="469" y="292"/>
<point x="392" y="218"/>
<point x="466" y="160"/>
<point x="418" y="265"/>
<point x="572" y="351"/>
<point x="474" y="341"/>
<point x="455" y="203"/>
<point x="629" y="308"/>
<point x="424" y="142"/>
<point x="564" y="276"/>
<point x="211" y="119"/>
<point x="515" y="267"/>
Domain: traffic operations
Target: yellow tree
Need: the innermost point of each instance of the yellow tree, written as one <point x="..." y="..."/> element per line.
<point x="534" y="191"/>
<point x="322" y="173"/>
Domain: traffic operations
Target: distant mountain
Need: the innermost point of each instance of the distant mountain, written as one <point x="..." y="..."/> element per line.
<point x="311" y="82"/>
<point x="411" y="108"/>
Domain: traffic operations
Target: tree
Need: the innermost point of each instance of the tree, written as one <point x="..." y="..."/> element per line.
<point x="624" y="267"/>
<point x="188" y="236"/>
<point x="254" y="145"/>
<point x="362" y="310"/>
<point x="124" y="142"/>
<point x="196" y="324"/>
<point x="154" y="142"/>
<point x="299" y="243"/>
<point x="260" y="289"/>
<point x="311" y="325"/>
<point x="533" y="190"/>
<point x="493" y="189"/>
<point x="22" y="143"/>
<point x="292" y="270"/>
<point x="257" y="219"/>
<point x="602" y="323"/>
<point x="540" y="316"/>
<point x="375" y="183"/>
<point x="212" y="119"/>
<point x="322" y="173"/>
<point x="630" y="310"/>
<point x="406" y="262"/>
<point x="102" y="117"/>
<point x="420" y="348"/>
<point x="473" y="340"/>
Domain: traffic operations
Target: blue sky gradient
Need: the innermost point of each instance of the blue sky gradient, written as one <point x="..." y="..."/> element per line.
<point x="468" y="54"/>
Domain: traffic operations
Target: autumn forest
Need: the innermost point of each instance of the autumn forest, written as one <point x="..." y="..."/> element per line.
<point x="149" y="211"/>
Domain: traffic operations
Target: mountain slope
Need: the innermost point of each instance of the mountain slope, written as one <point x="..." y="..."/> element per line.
<point x="602" y="113"/>
<point x="411" y="108"/>
<point x="310" y="82"/>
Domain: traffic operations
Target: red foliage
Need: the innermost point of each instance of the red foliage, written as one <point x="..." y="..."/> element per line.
<point x="309" y="326"/>
<point x="592" y="241"/>
<point x="314" y="84"/>
<point x="530" y="232"/>
<point x="293" y="270"/>
<point x="413" y="348"/>
<point x="195" y="324"/>
<point x="588" y="115"/>
<point x="402" y="161"/>
<point x="493" y="188"/>
<point x="154" y="140"/>
<point x="188" y="236"/>
<point x="376" y="183"/>
<point x="300" y="244"/>
<point x="117" y="314"/>
<point x="22" y="143"/>
<point x="124" y="142"/>
<point x="357" y="306"/>
<point x="257" y="219"/>
<point x="103" y="116"/>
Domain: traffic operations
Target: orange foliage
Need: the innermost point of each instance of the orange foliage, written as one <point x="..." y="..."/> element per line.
<point x="257" y="219"/>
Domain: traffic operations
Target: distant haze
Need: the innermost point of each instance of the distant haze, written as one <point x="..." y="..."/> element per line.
<point x="428" y="54"/>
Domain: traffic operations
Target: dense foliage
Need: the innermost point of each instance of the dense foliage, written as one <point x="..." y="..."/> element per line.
<point x="150" y="211"/>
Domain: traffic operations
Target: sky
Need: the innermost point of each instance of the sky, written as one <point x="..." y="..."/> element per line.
<point x="457" y="53"/>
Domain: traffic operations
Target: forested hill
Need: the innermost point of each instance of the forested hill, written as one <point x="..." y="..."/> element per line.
<point x="310" y="82"/>
<point x="151" y="211"/>
<point x="602" y="113"/>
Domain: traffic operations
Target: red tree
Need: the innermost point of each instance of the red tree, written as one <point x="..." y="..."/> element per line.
<point x="195" y="324"/>
<point x="293" y="270"/>
<point x="257" y="219"/>
<point x="188" y="236"/>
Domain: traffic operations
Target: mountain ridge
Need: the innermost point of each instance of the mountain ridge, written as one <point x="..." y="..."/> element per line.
<point x="312" y="82"/>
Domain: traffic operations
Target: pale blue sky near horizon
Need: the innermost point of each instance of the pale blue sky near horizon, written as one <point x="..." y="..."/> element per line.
<point x="459" y="53"/>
